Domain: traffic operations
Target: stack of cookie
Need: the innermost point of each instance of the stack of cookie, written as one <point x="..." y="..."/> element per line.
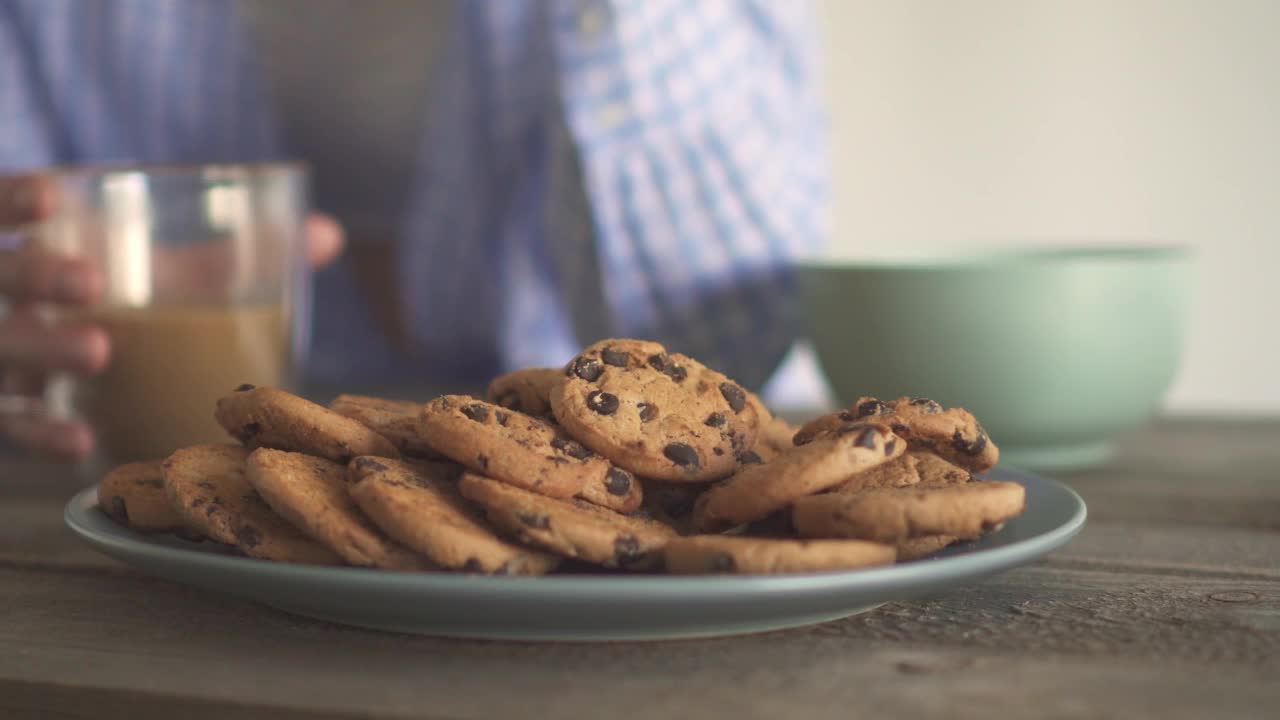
<point x="630" y="457"/>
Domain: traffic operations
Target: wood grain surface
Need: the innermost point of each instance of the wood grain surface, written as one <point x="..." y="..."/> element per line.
<point x="1166" y="606"/>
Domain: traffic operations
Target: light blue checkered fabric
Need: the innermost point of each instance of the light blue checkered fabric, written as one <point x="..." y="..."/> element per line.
<point x="645" y="168"/>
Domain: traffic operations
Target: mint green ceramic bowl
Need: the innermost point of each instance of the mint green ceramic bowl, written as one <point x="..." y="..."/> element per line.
<point x="1056" y="351"/>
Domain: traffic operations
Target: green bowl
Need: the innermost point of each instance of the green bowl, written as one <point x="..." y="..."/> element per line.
<point x="1056" y="351"/>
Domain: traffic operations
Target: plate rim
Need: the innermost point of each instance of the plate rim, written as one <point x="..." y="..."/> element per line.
<point x="931" y="570"/>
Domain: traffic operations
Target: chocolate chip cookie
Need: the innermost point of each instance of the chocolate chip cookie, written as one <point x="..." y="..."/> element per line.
<point x="527" y="390"/>
<point x="618" y="490"/>
<point x="923" y="546"/>
<point x="655" y="413"/>
<point x="775" y="438"/>
<point x="951" y="433"/>
<point x="395" y="420"/>
<point x="758" y="490"/>
<point x="572" y="528"/>
<point x="419" y="505"/>
<point x="821" y="425"/>
<point x="206" y="485"/>
<point x="892" y="515"/>
<point x="311" y="493"/>
<point x="513" y="447"/>
<point x="775" y="434"/>
<point x="916" y="467"/>
<point x="133" y="495"/>
<point x="268" y="417"/>
<point x="702" y="554"/>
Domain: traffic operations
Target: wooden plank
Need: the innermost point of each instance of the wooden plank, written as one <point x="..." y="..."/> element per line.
<point x="44" y="700"/>
<point x="1137" y="645"/>
<point x="1124" y="545"/>
<point x="1166" y="606"/>
<point x="870" y="682"/>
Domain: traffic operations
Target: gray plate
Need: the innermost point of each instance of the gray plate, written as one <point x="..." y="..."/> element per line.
<point x="587" y="607"/>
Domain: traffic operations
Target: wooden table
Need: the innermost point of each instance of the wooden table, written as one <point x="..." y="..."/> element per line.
<point x="1166" y="606"/>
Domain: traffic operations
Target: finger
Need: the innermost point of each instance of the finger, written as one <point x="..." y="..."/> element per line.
<point x="25" y="198"/>
<point x="324" y="239"/>
<point x="68" y="439"/>
<point x="26" y="344"/>
<point x="28" y="274"/>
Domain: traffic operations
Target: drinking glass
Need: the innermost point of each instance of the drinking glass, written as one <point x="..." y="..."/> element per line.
<point x="206" y="288"/>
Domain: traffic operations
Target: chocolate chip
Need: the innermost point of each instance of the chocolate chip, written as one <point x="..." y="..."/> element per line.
<point x="648" y="411"/>
<point x="558" y="460"/>
<point x="197" y="502"/>
<point x="750" y="458"/>
<point x="616" y="358"/>
<point x="534" y="520"/>
<point x="248" y="432"/>
<point x="899" y="428"/>
<point x="845" y="416"/>
<point x="511" y="401"/>
<point x="476" y="412"/>
<point x="502" y="417"/>
<point x="244" y="387"/>
<point x="368" y="464"/>
<point x="483" y="461"/>
<point x="866" y="438"/>
<point x="118" y="510"/>
<point x="718" y="450"/>
<point x="572" y="448"/>
<point x="149" y="482"/>
<point x="929" y="407"/>
<point x="626" y="549"/>
<point x="602" y="402"/>
<point x="682" y="455"/>
<point x="715" y="420"/>
<point x="872" y="407"/>
<point x="247" y="535"/>
<point x="472" y="565"/>
<point x="721" y="562"/>
<point x="663" y="364"/>
<point x="617" y="481"/>
<point x="889" y="447"/>
<point x="587" y="368"/>
<point x="970" y="447"/>
<point x="734" y="395"/>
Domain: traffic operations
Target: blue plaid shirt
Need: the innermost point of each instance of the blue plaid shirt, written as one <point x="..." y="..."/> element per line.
<point x="591" y="168"/>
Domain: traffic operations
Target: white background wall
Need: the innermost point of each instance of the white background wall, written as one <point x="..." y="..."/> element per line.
<point x="1083" y="118"/>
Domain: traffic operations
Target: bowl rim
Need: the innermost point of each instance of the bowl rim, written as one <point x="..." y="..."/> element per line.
<point x="983" y="257"/>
